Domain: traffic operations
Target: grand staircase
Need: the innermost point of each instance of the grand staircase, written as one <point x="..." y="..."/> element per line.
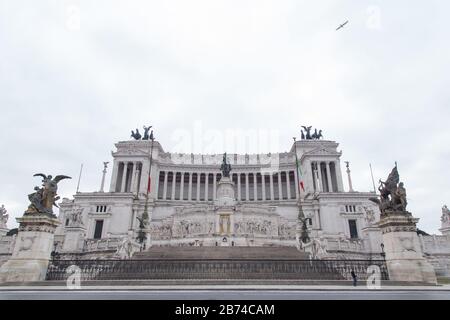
<point x="232" y="263"/>
<point x="216" y="264"/>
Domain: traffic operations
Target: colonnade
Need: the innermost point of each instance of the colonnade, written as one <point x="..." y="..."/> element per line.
<point x="249" y="186"/>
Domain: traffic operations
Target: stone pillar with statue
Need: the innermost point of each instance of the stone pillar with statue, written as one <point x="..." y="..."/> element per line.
<point x="34" y="244"/>
<point x="3" y="220"/>
<point x="445" y="221"/>
<point x="404" y="256"/>
<point x="75" y="232"/>
<point x="225" y="204"/>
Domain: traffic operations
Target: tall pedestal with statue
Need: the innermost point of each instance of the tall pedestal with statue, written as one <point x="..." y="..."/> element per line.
<point x="34" y="244"/>
<point x="225" y="206"/>
<point x="32" y="250"/>
<point x="404" y="256"/>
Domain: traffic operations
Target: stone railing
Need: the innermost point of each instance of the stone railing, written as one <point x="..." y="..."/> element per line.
<point x="101" y="244"/>
<point x="6" y="244"/>
<point x="217" y="269"/>
<point x="345" y="245"/>
<point x="435" y="244"/>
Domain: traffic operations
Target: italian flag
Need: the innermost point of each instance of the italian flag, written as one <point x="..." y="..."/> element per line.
<point x="299" y="174"/>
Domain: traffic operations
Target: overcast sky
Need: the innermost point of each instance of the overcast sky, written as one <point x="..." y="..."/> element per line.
<point x="77" y="76"/>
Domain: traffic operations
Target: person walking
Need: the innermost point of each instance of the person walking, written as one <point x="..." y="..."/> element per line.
<point x="354" y="277"/>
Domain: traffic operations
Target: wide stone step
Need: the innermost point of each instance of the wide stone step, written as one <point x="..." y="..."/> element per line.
<point x="205" y="282"/>
<point x="208" y="253"/>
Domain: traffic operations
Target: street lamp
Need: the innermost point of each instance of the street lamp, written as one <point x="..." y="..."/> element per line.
<point x="54" y="254"/>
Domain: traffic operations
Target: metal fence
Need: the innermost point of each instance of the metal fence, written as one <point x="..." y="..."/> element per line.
<point x="213" y="269"/>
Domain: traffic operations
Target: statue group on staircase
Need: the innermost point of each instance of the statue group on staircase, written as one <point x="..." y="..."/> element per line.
<point x="307" y="134"/>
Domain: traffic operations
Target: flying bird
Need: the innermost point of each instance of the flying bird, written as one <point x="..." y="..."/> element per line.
<point x="342" y="25"/>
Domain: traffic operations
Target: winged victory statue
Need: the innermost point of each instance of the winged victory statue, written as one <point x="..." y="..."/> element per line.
<point x="45" y="197"/>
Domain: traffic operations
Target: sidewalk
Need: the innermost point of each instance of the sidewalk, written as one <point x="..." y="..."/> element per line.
<point x="226" y="287"/>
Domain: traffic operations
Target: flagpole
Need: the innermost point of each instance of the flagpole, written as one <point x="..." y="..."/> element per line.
<point x="145" y="215"/>
<point x="142" y="234"/>
<point x="79" y="178"/>
<point x="301" y="215"/>
<point x="373" y="181"/>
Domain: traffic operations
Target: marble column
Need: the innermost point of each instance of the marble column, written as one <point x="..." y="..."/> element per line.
<point x="255" y="187"/>
<point x="330" y="184"/>
<point x="138" y="175"/>
<point x="112" y="186"/>
<point x="133" y="178"/>
<point x="238" y="186"/>
<point x="199" y="175"/>
<point x="174" y="183"/>
<point x="214" y="186"/>
<point x="319" y="169"/>
<point x="124" y="176"/>
<point x="288" y="188"/>
<point x="182" y="187"/>
<point x="317" y="177"/>
<point x="247" y="194"/>
<point x="166" y="174"/>
<point x="280" y="190"/>
<point x="340" y="183"/>
<point x="190" y="187"/>
<point x="206" y="186"/>
<point x="263" y="186"/>
<point x="272" y="196"/>
<point x="144" y="176"/>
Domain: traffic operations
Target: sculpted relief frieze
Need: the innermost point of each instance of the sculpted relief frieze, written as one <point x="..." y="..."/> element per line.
<point x="200" y="221"/>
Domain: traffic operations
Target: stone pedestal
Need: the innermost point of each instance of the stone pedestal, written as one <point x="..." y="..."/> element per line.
<point x="32" y="250"/>
<point x="224" y="207"/>
<point x="74" y="238"/>
<point x="404" y="256"/>
<point x="225" y="193"/>
<point x="3" y="231"/>
<point x="373" y="241"/>
<point x="445" y="231"/>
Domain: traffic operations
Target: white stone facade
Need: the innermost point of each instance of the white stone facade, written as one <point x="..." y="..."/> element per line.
<point x="184" y="210"/>
<point x="201" y="209"/>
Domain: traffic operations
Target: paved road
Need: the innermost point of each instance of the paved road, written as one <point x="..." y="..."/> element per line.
<point x="225" y="294"/>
